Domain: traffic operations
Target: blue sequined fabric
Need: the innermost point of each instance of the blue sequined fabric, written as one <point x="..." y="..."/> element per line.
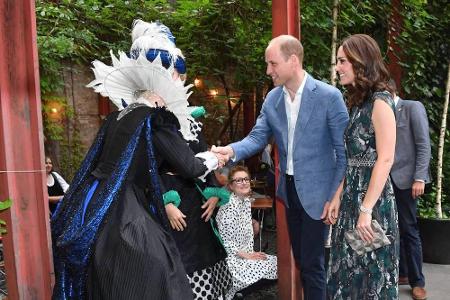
<point x="73" y="239"/>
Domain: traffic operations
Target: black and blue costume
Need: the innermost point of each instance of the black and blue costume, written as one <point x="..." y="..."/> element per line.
<point x="110" y="238"/>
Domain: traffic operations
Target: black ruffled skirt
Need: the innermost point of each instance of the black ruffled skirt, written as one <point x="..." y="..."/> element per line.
<point x="133" y="256"/>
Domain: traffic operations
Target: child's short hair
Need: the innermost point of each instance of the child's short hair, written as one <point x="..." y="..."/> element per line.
<point x="236" y="169"/>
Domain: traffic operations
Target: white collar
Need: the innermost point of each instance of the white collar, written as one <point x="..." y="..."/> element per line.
<point x="300" y="88"/>
<point x="396" y="100"/>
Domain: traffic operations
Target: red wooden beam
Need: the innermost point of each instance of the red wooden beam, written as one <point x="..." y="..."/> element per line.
<point x="27" y="244"/>
<point x="249" y="112"/>
<point x="285" y="20"/>
<point x="394" y="51"/>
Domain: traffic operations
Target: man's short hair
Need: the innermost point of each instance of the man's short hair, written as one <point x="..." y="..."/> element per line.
<point x="289" y="45"/>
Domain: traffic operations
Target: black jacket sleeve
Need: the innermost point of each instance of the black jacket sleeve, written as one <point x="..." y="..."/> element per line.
<point x="171" y="146"/>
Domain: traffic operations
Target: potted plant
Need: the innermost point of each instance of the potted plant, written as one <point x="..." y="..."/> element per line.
<point x="434" y="221"/>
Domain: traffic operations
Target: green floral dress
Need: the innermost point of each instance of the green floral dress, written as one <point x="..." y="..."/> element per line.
<point x="373" y="275"/>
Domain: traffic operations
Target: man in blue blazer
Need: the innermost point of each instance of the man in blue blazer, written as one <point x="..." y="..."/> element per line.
<point x="307" y="118"/>
<point x="409" y="174"/>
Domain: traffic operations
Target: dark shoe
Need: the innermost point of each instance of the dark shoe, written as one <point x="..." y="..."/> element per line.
<point x="238" y="296"/>
<point x="419" y="293"/>
<point x="403" y="281"/>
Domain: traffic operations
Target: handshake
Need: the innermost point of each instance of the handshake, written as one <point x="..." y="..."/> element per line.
<point x="223" y="154"/>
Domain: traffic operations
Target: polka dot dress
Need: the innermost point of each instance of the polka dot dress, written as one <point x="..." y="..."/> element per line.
<point x="234" y="220"/>
<point x="211" y="282"/>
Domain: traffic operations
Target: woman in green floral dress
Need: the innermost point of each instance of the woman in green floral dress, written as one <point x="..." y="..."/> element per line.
<point x="367" y="189"/>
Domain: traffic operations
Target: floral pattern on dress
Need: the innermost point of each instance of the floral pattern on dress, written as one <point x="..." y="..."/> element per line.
<point x="373" y="275"/>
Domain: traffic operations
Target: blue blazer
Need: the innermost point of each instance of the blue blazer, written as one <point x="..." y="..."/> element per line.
<point x="319" y="155"/>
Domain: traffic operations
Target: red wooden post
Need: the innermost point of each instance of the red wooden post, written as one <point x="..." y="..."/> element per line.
<point x="22" y="176"/>
<point x="285" y="20"/>
<point x="249" y="112"/>
<point x="394" y="51"/>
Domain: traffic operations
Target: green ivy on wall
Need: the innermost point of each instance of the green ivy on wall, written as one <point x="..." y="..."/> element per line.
<point x="4" y="205"/>
<point x="72" y="154"/>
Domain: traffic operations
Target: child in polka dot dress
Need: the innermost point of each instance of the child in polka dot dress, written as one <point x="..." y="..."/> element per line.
<point x="234" y="221"/>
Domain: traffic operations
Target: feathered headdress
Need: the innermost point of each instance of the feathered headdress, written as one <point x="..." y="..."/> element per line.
<point x="130" y="77"/>
<point x="156" y="39"/>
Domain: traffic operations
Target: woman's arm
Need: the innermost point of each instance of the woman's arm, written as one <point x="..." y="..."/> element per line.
<point x="383" y="120"/>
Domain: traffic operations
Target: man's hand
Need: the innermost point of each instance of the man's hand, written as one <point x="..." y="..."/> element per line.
<point x="209" y="207"/>
<point x="222" y="159"/>
<point x="418" y="188"/>
<point x="176" y="217"/>
<point x="226" y="152"/>
<point x="330" y="212"/>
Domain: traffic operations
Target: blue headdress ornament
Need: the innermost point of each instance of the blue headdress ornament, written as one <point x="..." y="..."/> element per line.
<point x="153" y="40"/>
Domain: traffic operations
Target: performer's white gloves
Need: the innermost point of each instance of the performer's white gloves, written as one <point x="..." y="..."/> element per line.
<point x="211" y="162"/>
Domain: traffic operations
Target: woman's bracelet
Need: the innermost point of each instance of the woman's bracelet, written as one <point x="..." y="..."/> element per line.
<point x="365" y="210"/>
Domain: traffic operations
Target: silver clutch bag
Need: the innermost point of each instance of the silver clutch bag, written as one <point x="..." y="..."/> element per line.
<point x="361" y="247"/>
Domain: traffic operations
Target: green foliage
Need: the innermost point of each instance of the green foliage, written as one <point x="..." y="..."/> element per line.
<point x="354" y="17"/>
<point x="72" y="153"/>
<point x="425" y="40"/>
<point x="224" y="37"/>
<point x="4" y="205"/>
<point x="78" y="31"/>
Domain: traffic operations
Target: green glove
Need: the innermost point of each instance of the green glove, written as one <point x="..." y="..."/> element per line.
<point x="222" y="193"/>
<point x="198" y="111"/>
<point x="172" y="197"/>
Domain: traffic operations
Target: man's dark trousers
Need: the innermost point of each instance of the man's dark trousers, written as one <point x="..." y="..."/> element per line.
<point x="411" y="262"/>
<point x="308" y="244"/>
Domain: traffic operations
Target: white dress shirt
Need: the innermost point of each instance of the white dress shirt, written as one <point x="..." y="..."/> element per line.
<point x="396" y="100"/>
<point x="51" y="181"/>
<point x="292" y="112"/>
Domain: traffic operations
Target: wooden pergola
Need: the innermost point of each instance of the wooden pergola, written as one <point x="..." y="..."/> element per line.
<point x="27" y="245"/>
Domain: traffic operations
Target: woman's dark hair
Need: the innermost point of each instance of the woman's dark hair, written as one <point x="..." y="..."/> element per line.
<point x="236" y="169"/>
<point x="371" y="73"/>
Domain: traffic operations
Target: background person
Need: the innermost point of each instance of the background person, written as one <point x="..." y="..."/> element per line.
<point x="190" y="213"/>
<point x="409" y="174"/>
<point x="56" y="185"/>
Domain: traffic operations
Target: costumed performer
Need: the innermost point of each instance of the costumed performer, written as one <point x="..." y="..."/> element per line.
<point x="109" y="233"/>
